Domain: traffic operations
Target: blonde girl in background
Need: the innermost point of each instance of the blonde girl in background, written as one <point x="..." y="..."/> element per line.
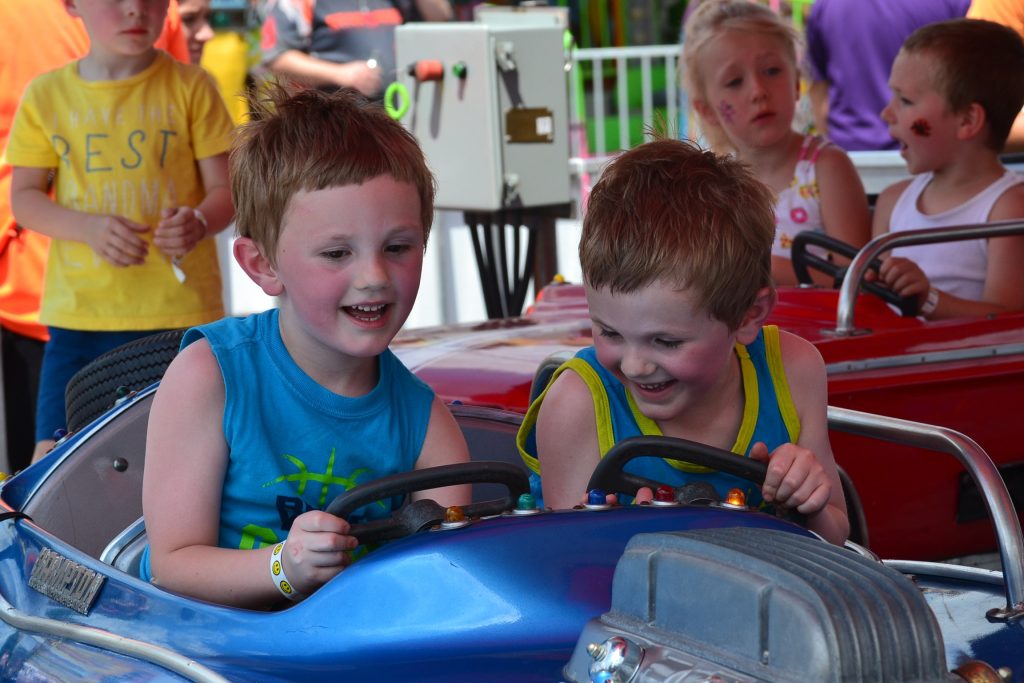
<point x="740" y="61"/>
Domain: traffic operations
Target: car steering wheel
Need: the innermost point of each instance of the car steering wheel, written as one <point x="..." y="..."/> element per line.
<point x="803" y="260"/>
<point x="421" y="514"/>
<point x="610" y="474"/>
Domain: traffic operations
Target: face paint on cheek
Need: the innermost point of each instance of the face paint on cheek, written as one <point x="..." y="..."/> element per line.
<point x="726" y="111"/>
<point x="921" y="128"/>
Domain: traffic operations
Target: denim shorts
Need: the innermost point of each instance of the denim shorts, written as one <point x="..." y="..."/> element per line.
<point x="67" y="352"/>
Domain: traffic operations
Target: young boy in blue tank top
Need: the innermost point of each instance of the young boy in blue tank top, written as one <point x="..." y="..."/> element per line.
<point x="260" y="422"/>
<point x="676" y="258"/>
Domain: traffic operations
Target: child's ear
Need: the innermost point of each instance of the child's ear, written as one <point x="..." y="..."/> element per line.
<point x="704" y="110"/>
<point x="756" y="315"/>
<point x="971" y="122"/>
<point x="257" y="266"/>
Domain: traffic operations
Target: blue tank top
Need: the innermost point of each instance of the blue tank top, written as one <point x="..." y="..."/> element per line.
<point x="294" y="445"/>
<point x="768" y="415"/>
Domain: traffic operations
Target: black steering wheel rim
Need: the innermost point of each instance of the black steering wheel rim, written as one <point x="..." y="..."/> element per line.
<point x="424" y="513"/>
<point x="803" y="261"/>
<point x="610" y="474"/>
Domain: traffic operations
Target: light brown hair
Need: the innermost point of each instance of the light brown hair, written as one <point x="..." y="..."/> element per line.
<point x="312" y="140"/>
<point x="667" y="210"/>
<point x="975" y="61"/>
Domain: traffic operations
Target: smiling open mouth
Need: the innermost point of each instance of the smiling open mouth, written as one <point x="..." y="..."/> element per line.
<point x="653" y="387"/>
<point x="366" y="314"/>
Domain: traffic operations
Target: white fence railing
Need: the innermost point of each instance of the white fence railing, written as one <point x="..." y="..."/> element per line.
<point x="589" y="107"/>
<point x="594" y="97"/>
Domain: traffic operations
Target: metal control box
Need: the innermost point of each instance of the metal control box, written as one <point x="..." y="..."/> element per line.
<point x="490" y="109"/>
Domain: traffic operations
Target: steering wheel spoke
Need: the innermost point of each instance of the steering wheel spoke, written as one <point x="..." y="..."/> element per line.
<point x="804" y="260"/>
<point x="422" y="514"/>
<point x="416" y="516"/>
<point x="610" y="474"/>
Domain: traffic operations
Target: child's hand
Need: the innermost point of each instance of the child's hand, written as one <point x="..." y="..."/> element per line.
<point x="116" y="239"/>
<point x="317" y="549"/>
<point x="360" y="75"/>
<point x="179" y="230"/>
<point x="795" y="478"/>
<point x="904" y="277"/>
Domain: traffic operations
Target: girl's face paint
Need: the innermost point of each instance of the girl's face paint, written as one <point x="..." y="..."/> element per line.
<point x="726" y="112"/>
<point x="921" y="128"/>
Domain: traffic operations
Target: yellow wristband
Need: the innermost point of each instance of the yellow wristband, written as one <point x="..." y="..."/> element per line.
<point x="278" y="575"/>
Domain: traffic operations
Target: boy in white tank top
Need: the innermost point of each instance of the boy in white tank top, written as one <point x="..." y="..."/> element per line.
<point x="957" y="86"/>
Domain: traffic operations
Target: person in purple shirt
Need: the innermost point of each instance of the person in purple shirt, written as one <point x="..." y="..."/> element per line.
<point x="851" y="45"/>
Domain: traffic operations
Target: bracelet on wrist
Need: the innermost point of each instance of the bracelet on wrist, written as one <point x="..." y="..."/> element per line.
<point x="201" y="217"/>
<point x="284" y="586"/>
<point x="931" y="302"/>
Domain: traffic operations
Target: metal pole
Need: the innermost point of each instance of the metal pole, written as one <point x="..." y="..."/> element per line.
<point x="883" y="243"/>
<point x="978" y="465"/>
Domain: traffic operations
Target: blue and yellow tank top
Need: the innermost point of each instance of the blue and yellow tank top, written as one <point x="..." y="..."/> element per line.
<point x="768" y="415"/>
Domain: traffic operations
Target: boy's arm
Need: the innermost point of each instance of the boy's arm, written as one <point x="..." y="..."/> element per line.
<point x="435" y="10"/>
<point x="443" y="445"/>
<point x="567" y="444"/>
<point x="1004" y="280"/>
<point x="180" y="228"/>
<point x="186" y="461"/>
<point x="216" y="206"/>
<point x="114" y="238"/>
<point x="310" y="70"/>
<point x="804" y="475"/>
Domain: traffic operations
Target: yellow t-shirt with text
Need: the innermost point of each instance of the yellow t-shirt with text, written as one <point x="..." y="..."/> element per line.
<point x="127" y="148"/>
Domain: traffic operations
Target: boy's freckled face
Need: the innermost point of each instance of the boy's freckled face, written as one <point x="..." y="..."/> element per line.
<point x="667" y="351"/>
<point x="349" y="260"/>
<point x="918" y="115"/>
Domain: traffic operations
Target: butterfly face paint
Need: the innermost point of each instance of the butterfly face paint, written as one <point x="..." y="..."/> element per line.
<point x="726" y="112"/>
<point x="921" y="128"/>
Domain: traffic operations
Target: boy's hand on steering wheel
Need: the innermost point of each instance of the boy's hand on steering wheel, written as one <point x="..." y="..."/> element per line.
<point x="795" y="478"/>
<point x="318" y="548"/>
<point x="904" y="277"/>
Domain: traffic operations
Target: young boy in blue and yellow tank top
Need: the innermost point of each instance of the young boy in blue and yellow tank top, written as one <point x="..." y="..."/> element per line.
<point x="676" y="258"/>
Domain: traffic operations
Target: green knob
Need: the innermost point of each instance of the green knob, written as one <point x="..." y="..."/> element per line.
<point x="526" y="502"/>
